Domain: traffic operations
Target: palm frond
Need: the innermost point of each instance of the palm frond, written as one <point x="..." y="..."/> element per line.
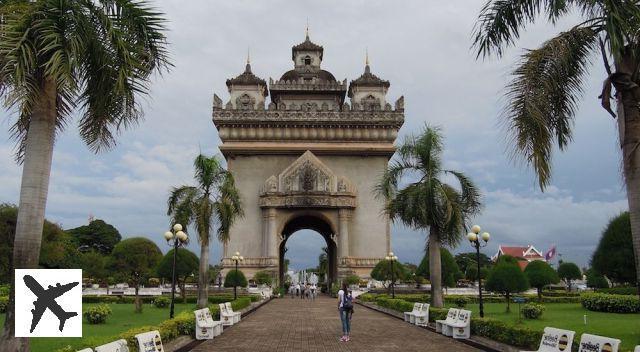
<point x="542" y="97"/>
<point x="500" y="22"/>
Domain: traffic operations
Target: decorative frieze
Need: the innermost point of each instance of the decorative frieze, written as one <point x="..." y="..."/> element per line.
<point x="357" y="262"/>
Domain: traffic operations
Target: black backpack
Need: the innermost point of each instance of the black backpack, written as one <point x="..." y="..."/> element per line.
<point x="347" y="302"/>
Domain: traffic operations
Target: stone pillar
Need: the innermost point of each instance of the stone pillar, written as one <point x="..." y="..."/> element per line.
<point x="344" y="215"/>
<point x="265" y="233"/>
<point x="272" y="236"/>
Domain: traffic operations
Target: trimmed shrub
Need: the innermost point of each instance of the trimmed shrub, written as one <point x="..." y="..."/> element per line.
<point x="161" y="302"/>
<point x="620" y="290"/>
<point x="352" y="280"/>
<point x="97" y="314"/>
<point x="601" y="302"/>
<point x="461" y="302"/>
<point x="532" y="310"/>
<point x="235" y="278"/>
<point x="4" y="302"/>
<point x="263" y="277"/>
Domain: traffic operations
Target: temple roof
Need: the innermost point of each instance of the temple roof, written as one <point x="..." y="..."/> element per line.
<point x="368" y="79"/>
<point x="248" y="78"/>
<point x="295" y="75"/>
<point x="307" y="45"/>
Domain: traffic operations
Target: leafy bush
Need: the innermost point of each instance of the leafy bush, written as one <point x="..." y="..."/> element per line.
<point x="532" y="310"/>
<point x="559" y="294"/>
<point x="263" y="277"/>
<point x="97" y="314"/>
<point x="161" y="302"/>
<point x="601" y="302"/>
<point x="235" y="278"/>
<point x="620" y="290"/>
<point x="5" y="290"/>
<point x="4" y="301"/>
<point x="461" y="302"/>
<point x="352" y="280"/>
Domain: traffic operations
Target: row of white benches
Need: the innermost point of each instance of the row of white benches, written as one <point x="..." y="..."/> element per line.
<point x="555" y="340"/>
<point x="206" y="329"/>
<point x="458" y="325"/>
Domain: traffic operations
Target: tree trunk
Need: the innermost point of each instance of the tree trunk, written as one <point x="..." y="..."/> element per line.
<point x="508" y="302"/>
<point x="138" y="302"/>
<point x="540" y="294"/>
<point x="203" y="276"/>
<point x="435" y="269"/>
<point x="33" y="199"/>
<point x="629" y="131"/>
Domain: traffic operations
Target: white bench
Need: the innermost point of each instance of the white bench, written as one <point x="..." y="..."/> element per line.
<point x="85" y="350"/>
<point x="206" y="327"/>
<point x="637" y="349"/>
<point x="238" y="315"/>
<point x="461" y="327"/>
<point x="554" y="340"/>
<point x="409" y="317"/>
<point x="422" y="317"/>
<point x="589" y="343"/>
<point x="150" y="342"/>
<point x="227" y="317"/>
<point x="452" y="315"/>
<point x="115" y="346"/>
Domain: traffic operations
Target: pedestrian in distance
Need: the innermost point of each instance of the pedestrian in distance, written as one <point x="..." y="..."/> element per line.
<point x="345" y="308"/>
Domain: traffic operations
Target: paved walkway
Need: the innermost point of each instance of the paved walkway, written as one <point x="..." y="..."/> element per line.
<point x="300" y="325"/>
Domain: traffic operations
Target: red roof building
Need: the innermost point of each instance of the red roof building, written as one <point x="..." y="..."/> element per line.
<point x="523" y="254"/>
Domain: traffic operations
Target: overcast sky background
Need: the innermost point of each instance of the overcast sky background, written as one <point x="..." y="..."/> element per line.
<point x="421" y="47"/>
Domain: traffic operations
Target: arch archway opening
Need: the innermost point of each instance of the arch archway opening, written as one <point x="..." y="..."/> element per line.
<point x="320" y="227"/>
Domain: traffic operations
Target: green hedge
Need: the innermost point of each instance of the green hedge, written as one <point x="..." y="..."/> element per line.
<point x="622" y="290"/>
<point x="181" y="324"/>
<point x="4" y="302"/>
<point x="602" y="302"/>
<point x="215" y="299"/>
<point x="490" y="328"/>
<point x="560" y="294"/>
<point x="451" y="299"/>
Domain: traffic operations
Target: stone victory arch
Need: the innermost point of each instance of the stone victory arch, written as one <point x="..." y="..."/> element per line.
<point x="308" y="159"/>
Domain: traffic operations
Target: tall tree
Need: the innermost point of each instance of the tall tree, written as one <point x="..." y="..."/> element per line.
<point x="506" y="278"/>
<point x="215" y="198"/>
<point x="135" y="260"/>
<point x="98" y="235"/>
<point x="186" y="265"/>
<point x="427" y="202"/>
<point x="56" y="55"/>
<point x="614" y="255"/>
<point x="542" y="98"/>
<point x="568" y="272"/>
<point x="449" y="268"/>
<point x="540" y="274"/>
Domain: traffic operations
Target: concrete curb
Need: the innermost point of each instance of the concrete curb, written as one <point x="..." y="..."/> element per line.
<point x="474" y="341"/>
<point x="187" y="343"/>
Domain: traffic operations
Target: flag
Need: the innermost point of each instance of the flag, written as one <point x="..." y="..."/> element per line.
<point x="551" y="253"/>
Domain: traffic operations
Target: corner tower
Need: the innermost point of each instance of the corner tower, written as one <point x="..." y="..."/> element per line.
<point x="309" y="159"/>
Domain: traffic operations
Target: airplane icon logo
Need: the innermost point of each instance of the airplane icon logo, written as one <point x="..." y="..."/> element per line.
<point x="47" y="300"/>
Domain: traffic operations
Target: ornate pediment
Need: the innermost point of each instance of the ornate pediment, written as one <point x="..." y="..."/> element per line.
<point x="308" y="181"/>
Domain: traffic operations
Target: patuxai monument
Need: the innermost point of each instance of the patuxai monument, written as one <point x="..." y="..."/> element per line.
<point x="306" y="157"/>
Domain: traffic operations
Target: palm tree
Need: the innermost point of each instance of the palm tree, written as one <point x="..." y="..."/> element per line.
<point x="214" y="199"/>
<point x="542" y="98"/>
<point x="428" y="202"/>
<point x="58" y="55"/>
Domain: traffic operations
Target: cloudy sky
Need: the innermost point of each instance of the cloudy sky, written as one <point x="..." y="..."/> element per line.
<point x="421" y="47"/>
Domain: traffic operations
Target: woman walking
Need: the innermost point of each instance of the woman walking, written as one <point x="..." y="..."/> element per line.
<point x="345" y="307"/>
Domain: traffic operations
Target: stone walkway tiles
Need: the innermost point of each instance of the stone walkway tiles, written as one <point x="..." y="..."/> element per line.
<point x="298" y="325"/>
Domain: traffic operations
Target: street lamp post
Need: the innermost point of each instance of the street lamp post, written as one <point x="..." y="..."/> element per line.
<point x="179" y="239"/>
<point x="478" y="241"/>
<point x="391" y="258"/>
<point x="236" y="258"/>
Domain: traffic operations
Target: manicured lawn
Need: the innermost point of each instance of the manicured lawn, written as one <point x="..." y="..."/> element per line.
<point x="122" y="319"/>
<point x="570" y="316"/>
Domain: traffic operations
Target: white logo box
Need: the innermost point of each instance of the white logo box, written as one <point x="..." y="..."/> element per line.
<point x="69" y="301"/>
